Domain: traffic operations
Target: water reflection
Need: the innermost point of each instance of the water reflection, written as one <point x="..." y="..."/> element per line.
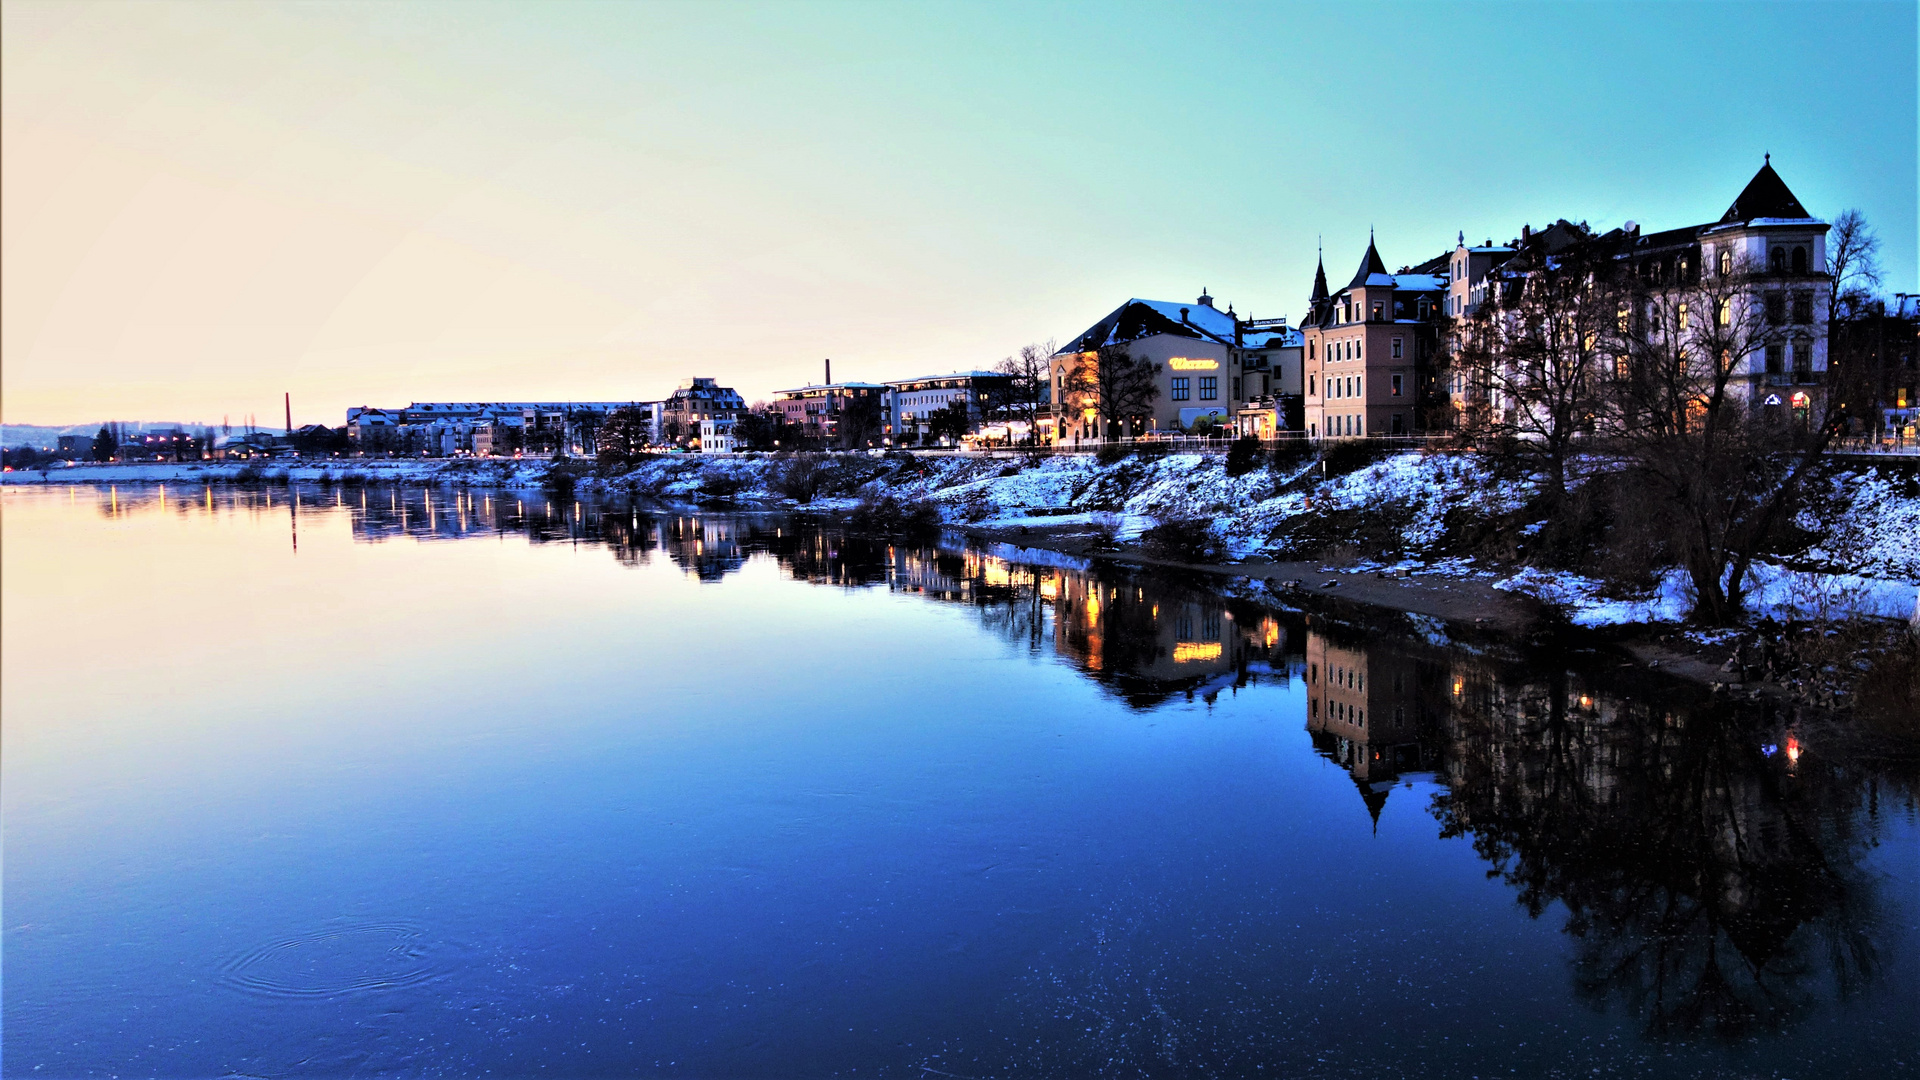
<point x="1709" y="885"/>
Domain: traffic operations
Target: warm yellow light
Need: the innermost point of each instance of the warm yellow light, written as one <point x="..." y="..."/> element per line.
<point x="1182" y="363"/>
<point x="1188" y="651"/>
<point x="1458" y="686"/>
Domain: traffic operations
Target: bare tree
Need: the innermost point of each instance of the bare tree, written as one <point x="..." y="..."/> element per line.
<point x="1534" y="353"/>
<point x="1717" y="451"/>
<point x="1853" y="260"/>
<point x="1119" y="388"/>
<point x="1026" y="396"/>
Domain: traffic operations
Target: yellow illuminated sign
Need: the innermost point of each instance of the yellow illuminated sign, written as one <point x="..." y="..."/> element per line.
<point x="1186" y="652"/>
<point x="1182" y="363"/>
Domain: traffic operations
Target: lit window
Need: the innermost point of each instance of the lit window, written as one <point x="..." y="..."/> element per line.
<point x="1683" y="315"/>
<point x="1209" y="387"/>
<point x="1396" y="386"/>
<point x="1726" y="260"/>
<point x="1180" y="388"/>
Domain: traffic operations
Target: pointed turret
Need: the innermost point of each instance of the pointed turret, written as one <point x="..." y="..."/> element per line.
<point x="1319" y="284"/>
<point x="1369" y="266"/>
<point x="1765" y="196"/>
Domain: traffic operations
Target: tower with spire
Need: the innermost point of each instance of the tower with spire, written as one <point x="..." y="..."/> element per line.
<point x="1369" y="349"/>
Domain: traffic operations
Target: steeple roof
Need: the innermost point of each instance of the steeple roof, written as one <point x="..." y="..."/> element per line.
<point x="1369" y="266"/>
<point x="1765" y="196"/>
<point x="1319" y="283"/>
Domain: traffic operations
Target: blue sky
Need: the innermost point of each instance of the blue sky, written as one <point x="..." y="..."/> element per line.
<point x="209" y="204"/>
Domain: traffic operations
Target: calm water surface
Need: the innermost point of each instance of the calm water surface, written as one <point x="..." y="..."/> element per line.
<point x="423" y="782"/>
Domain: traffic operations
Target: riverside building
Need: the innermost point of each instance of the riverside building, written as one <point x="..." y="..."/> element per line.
<point x="1370" y="349"/>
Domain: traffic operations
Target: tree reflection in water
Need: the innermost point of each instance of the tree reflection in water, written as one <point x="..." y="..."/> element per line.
<point x="1712" y="887"/>
<point x="1710" y="871"/>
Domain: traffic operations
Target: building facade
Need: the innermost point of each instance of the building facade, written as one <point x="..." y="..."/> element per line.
<point x="1199" y="381"/>
<point x="818" y="412"/>
<point x="1766" y="256"/>
<point x="911" y="403"/>
<point x="696" y="399"/>
<point x="1371" y="349"/>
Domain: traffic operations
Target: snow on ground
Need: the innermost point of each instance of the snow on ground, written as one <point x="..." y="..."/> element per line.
<point x="1773" y="591"/>
<point x="1424" y="488"/>
<point x="1871" y="520"/>
<point x="1872" y="527"/>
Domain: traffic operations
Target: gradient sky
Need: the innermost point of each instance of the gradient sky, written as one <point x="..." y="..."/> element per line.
<point x="208" y="204"/>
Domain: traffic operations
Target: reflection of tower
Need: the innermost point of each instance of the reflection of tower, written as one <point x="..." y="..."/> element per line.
<point x="1363" y="711"/>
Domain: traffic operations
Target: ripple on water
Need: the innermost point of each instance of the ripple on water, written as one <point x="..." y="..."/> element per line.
<point x="358" y="958"/>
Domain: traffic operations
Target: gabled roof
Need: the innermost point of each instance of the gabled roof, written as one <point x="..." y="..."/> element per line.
<point x="1138" y="319"/>
<point x="1272" y="339"/>
<point x="1765" y="196"/>
<point x="1372" y="271"/>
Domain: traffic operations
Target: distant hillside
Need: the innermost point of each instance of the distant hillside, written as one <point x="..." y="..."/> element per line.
<point x="46" y="438"/>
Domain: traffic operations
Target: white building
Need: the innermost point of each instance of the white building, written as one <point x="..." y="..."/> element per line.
<point x="716" y="435"/>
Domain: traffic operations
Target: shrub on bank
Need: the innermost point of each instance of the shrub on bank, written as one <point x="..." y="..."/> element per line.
<point x="886" y="514"/>
<point x="1243" y="455"/>
<point x="1185" y="540"/>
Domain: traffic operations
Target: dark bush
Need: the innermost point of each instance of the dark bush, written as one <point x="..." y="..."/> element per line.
<point x="1290" y="454"/>
<point x="1344" y="457"/>
<point x="1243" y="455"/>
<point x="886" y="514"/>
<point x="1185" y="540"/>
<point x="799" y="478"/>
<point x="722" y="487"/>
<point x="1112" y="453"/>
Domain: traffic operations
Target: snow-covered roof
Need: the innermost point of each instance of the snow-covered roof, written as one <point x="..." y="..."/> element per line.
<point x="950" y="375"/>
<point x="1419" y="282"/>
<point x="1137" y="319"/>
<point x="1273" y="339"/>
<point x="818" y="388"/>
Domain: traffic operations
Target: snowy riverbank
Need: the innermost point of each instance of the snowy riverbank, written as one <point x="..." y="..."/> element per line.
<point x="1426" y="515"/>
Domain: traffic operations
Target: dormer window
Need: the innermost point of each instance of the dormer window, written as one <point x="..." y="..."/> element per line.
<point x="1377" y="307"/>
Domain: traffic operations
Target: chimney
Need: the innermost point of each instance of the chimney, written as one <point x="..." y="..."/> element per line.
<point x="1526" y="233"/>
<point x="829" y="371"/>
<point x="1183" y="315"/>
<point x="289" y="412"/>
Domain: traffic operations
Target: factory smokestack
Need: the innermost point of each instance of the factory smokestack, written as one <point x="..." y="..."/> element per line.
<point x="289" y="412"/>
<point x="829" y="371"/>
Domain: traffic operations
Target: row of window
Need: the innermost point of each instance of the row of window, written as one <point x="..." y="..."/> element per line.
<point x="1353" y="386"/>
<point x="1355" y="349"/>
<point x="1209" y="388"/>
<point x="1801" y="302"/>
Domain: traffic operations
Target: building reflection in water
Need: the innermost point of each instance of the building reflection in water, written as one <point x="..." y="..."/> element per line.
<point x="1707" y="863"/>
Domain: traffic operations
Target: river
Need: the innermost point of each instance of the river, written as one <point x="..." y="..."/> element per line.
<point x="420" y="781"/>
